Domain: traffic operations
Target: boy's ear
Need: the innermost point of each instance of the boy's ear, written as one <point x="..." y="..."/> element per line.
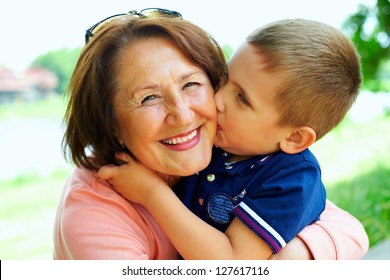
<point x="298" y="140"/>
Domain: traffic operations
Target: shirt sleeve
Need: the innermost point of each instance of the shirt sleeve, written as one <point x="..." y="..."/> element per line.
<point x="279" y="208"/>
<point x="336" y="236"/>
<point x="94" y="222"/>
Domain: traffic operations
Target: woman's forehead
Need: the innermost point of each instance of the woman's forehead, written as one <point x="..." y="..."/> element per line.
<point x="154" y="54"/>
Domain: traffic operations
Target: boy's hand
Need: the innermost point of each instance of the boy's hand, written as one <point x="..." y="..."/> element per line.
<point x="133" y="180"/>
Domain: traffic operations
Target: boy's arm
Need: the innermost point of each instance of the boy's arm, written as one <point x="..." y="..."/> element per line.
<point x="195" y="239"/>
<point x="296" y="249"/>
<point x="192" y="237"/>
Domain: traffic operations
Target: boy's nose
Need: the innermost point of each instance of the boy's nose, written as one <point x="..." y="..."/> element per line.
<point x="219" y="101"/>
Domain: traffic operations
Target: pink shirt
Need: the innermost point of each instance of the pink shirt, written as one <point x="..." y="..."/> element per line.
<point x="95" y="222"/>
<point x="336" y="236"/>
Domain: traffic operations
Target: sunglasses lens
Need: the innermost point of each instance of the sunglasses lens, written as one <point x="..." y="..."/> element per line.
<point x="152" y="12"/>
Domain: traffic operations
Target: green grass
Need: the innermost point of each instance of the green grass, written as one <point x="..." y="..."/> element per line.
<point x="353" y="148"/>
<point x="28" y="205"/>
<point x="367" y="197"/>
<point x="53" y="107"/>
<point x="356" y="171"/>
<point x="354" y="159"/>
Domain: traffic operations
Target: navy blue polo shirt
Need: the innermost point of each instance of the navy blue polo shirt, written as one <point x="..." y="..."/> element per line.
<point x="275" y="195"/>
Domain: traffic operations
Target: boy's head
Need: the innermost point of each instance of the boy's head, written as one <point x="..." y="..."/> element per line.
<point x="320" y="68"/>
<point x="290" y="83"/>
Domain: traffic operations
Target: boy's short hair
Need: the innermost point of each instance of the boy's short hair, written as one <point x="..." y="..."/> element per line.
<point x="320" y="68"/>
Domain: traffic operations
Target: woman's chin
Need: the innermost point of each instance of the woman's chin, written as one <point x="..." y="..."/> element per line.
<point x="193" y="166"/>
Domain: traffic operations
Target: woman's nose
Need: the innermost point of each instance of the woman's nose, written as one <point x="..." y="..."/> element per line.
<point x="180" y="112"/>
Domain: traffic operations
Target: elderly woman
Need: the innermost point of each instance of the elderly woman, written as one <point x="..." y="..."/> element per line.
<point x="142" y="81"/>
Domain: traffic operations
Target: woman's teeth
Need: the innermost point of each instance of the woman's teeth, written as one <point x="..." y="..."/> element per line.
<point x="179" y="140"/>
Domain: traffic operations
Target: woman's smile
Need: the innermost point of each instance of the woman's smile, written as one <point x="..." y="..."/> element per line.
<point x="183" y="141"/>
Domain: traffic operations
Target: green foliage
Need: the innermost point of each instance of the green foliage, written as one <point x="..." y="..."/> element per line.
<point x="228" y="51"/>
<point x="62" y="62"/>
<point x="369" y="28"/>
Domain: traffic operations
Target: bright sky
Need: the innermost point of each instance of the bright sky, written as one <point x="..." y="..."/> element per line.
<point x="29" y="28"/>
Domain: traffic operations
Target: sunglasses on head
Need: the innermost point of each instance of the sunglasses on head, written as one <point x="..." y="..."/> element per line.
<point x="145" y="13"/>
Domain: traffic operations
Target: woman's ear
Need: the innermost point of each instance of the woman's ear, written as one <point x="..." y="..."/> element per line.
<point x="298" y="140"/>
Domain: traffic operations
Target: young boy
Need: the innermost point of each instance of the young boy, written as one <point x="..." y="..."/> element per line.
<point x="289" y="84"/>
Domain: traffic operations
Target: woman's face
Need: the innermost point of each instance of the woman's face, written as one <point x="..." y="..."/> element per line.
<point x="165" y="109"/>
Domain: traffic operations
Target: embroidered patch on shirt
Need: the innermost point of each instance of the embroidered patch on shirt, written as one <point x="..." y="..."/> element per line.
<point x="220" y="208"/>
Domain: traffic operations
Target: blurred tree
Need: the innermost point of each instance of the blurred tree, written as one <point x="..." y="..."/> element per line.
<point x="369" y="28"/>
<point x="228" y="51"/>
<point x="61" y="62"/>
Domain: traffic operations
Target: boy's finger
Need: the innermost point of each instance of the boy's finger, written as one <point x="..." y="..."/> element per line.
<point x="124" y="157"/>
<point x="106" y="172"/>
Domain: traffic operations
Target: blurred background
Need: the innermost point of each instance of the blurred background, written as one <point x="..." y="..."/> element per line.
<point x="39" y="45"/>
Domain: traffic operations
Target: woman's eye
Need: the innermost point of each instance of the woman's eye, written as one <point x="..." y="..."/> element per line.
<point x="148" y="99"/>
<point x="243" y="99"/>
<point x="190" y="84"/>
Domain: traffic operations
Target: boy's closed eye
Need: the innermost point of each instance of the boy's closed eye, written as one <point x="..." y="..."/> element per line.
<point x="242" y="98"/>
